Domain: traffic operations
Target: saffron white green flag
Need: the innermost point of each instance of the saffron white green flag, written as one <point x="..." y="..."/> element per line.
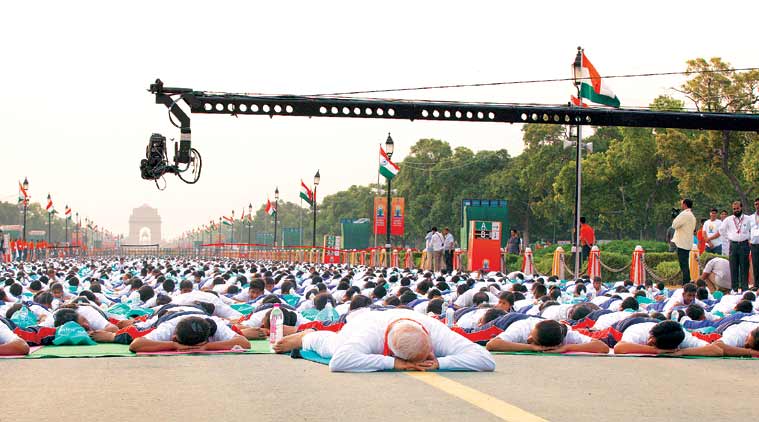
<point x="306" y="194"/>
<point x="228" y="221"/>
<point x="387" y="168"/>
<point x="593" y="88"/>
<point x="270" y="208"/>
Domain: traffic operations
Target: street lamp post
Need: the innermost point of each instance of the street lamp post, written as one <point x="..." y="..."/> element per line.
<point x="577" y="73"/>
<point x="49" y="222"/>
<point x="220" y="230"/>
<point x="232" y="229"/>
<point x="317" y="179"/>
<point x="389" y="148"/>
<point x="26" y="206"/>
<point x="276" y="213"/>
<point x="250" y="214"/>
<point x="79" y="232"/>
<point x="66" y="216"/>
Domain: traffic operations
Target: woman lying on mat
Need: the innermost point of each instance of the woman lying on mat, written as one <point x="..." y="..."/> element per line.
<point x="10" y="343"/>
<point x="666" y="337"/>
<point x="189" y="332"/>
<point x="544" y="335"/>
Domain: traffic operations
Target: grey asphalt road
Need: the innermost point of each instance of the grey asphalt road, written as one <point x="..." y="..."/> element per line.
<point x="267" y="387"/>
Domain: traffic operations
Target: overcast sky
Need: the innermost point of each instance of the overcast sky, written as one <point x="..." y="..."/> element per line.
<point x="75" y="115"/>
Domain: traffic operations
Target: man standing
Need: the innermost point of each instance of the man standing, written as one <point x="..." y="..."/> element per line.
<point x="587" y="238"/>
<point x="684" y="225"/>
<point x="736" y="229"/>
<point x="514" y="244"/>
<point x="711" y="233"/>
<point x="437" y="242"/>
<point x="448" y="244"/>
<point x="754" y="242"/>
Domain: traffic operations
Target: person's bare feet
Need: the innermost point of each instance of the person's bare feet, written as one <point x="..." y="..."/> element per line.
<point x="291" y="342"/>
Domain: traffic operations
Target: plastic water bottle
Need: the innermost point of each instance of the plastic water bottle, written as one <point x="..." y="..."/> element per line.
<point x="674" y="315"/>
<point x="276" y="325"/>
<point x="327" y="314"/>
<point x="444" y="308"/>
<point x="449" y="316"/>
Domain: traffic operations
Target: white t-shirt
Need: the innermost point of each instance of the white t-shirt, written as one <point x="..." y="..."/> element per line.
<point x="711" y="228"/>
<point x="639" y="333"/>
<point x="6" y="335"/>
<point x="470" y="319"/>
<point x="721" y="269"/>
<point x="165" y="331"/>
<point x="736" y="335"/>
<point x="607" y="320"/>
<point x="519" y="331"/>
<point x="557" y="312"/>
<point x="93" y="317"/>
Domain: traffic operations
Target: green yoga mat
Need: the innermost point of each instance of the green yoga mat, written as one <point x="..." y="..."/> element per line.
<point x="620" y="356"/>
<point x="94" y="351"/>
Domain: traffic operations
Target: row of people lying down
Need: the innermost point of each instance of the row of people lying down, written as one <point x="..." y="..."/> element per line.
<point x="348" y="289"/>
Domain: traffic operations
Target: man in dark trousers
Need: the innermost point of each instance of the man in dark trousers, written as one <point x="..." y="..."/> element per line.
<point x="736" y="229"/>
<point x="684" y="225"/>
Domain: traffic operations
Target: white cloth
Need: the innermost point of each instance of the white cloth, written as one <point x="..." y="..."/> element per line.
<point x="736" y="335"/>
<point x="557" y="312"/>
<point x="471" y="319"/>
<point x="711" y="228"/>
<point x="639" y="333"/>
<point x="165" y="330"/>
<point x="607" y="320"/>
<point x="437" y="241"/>
<point x="519" y="331"/>
<point x="754" y="239"/>
<point x="720" y="267"/>
<point x="93" y="317"/>
<point x="6" y="335"/>
<point x="221" y="309"/>
<point x="359" y="345"/>
<point x="736" y="229"/>
<point x="449" y="242"/>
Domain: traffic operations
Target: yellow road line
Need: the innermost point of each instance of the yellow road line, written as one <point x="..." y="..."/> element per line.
<point x="477" y="398"/>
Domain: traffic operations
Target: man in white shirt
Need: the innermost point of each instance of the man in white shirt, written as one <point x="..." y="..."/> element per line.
<point x="666" y="337"/>
<point x="736" y="229"/>
<point x="711" y="233"/>
<point x="544" y="335"/>
<point x="741" y="339"/>
<point x="437" y="243"/>
<point x="189" y="332"/>
<point x="10" y="343"/>
<point x="392" y="339"/>
<point x="754" y="243"/>
<point x="448" y="245"/>
<point x="684" y="225"/>
<point x="717" y="274"/>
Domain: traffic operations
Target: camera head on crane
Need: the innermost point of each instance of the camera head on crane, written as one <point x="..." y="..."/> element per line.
<point x="156" y="164"/>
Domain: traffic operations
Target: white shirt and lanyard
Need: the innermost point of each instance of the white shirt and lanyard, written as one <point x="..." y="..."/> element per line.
<point x="737" y="229"/>
<point x="754" y="239"/>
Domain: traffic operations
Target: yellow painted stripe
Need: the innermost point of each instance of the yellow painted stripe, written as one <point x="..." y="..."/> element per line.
<point x="477" y="398"/>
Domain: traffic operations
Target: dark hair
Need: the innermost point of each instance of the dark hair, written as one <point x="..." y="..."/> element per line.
<point x="256" y="284"/>
<point x="695" y="312"/>
<point x="145" y="292"/>
<point x="550" y="333"/>
<point x="12" y="310"/>
<point x="392" y="300"/>
<point x="744" y="306"/>
<point x="539" y="290"/>
<point x="507" y="296"/>
<point x="658" y="315"/>
<point x="209" y="308"/>
<point x="668" y="335"/>
<point x="581" y="310"/>
<point x="690" y="288"/>
<point x="582" y="220"/>
<point x="408" y="297"/>
<point x="16" y="289"/>
<point x="185" y="285"/>
<point x="193" y="330"/>
<point x="713" y="210"/>
<point x="688" y="203"/>
<point x="44" y="298"/>
<point x="750" y="296"/>
<point x="286" y="286"/>
<point x="755" y="335"/>
<point x="435" y="306"/>
<point x="480" y="298"/>
<point x="321" y="299"/>
<point x="290" y="318"/>
<point x="702" y="293"/>
<point x="135" y="282"/>
<point x="379" y="292"/>
<point x="629" y="303"/>
<point x="35" y="285"/>
<point x="359" y="301"/>
<point x="89" y="295"/>
<point x="492" y="314"/>
<point x="168" y="286"/>
<point x="64" y="315"/>
<point x="270" y="299"/>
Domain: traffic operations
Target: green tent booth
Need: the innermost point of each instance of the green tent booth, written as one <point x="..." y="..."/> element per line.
<point x="291" y="236"/>
<point x="355" y="233"/>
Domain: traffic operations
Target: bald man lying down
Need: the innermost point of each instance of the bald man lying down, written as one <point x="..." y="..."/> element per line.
<point x="392" y="339"/>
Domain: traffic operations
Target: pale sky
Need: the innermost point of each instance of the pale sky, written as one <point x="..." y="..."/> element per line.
<point x="75" y="115"/>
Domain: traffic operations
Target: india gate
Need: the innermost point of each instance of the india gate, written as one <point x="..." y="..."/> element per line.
<point x="144" y="226"/>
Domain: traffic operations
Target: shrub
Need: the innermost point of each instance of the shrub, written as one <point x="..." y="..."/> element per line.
<point x="667" y="269"/>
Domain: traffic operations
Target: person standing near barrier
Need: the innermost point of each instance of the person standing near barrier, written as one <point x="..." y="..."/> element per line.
<point x="684" y="225"/>
<point x="754" y="243"/>
<point x="736" y="229"/>
<point x="437" y="242"/>
<point x="711" y="232"/>
<point x="514" y="244"/>
<point x="2" y="246"/>
<point x="587" y="238"/>
<point x="449" y="244"/>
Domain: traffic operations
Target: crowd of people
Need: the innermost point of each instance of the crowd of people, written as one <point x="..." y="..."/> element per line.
<point x="363" y="318"/>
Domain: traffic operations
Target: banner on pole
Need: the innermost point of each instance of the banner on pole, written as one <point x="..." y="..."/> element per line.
<point x="397" y="215"/>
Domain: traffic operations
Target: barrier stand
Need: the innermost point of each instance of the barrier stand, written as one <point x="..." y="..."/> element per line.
<point x="594" y="263"/>
<point x="637" y="271"/>
<point x="557" y="268"/>
<point x="528" y="267"/>
<point x="693" y="263"/>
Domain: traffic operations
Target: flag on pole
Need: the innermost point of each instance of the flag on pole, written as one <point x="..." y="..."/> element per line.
<point x="387" y="168"/>
<point x="306" y="194"/>
<point x="49" y="207"/>
<point x="270" y="208"/>
<point x="593" y="88"/>
<point x="228" y="221"/>
<point x="242" y="216"/>
<point x="23" y="195"/>
<point x="578" y="102"/>
<point x="67" y="213"/>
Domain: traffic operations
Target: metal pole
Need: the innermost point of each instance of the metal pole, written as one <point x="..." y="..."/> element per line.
<point x="578" y="195"/>
<point x="276" y="214"/>
<point x="67" y="230"/>
<point x="49" y="234"/>
<point x="300" y="223"/>
<point x="388" y="245"/>
<point x="24" y="228"/>
<point x="313" y="240"/>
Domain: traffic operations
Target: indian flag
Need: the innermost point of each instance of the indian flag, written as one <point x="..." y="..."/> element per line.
<point x="49" y="207"/>
<point x="387" y="168"/>
<point x="306" y="194"/>
<point x="592" y="87"/>
<point x="228" y="221"/>
<point x="67" y="213"/>
<point x="270" y="208"/>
